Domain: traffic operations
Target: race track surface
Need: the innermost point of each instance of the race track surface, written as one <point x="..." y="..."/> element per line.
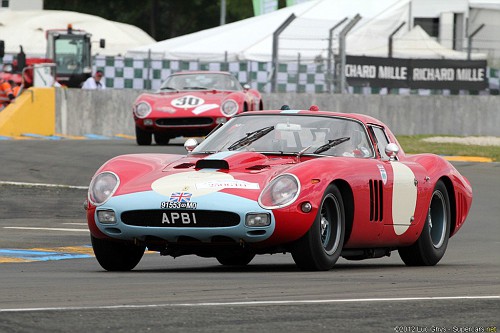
<point x="50" y="281"/>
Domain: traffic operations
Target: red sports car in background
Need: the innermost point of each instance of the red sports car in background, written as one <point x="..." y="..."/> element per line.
<point x="191" y="104"/>
<point x="317" y="184"/>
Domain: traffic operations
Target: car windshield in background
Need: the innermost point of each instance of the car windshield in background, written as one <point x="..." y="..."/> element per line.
<point x="290" y="134"/>
<point x="201" y="81"/>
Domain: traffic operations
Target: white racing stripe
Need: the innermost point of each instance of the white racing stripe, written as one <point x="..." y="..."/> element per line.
<point x="252" y="303"/>
<point x="50" y="229"/>
<point x="2" y="182"/>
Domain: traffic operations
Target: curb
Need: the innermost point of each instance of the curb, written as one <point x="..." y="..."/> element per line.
<point x="468" y="159"/>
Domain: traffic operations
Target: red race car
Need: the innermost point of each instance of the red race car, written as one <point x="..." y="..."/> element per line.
<point x="317" y="184"/>
<point x="191" y="104"/>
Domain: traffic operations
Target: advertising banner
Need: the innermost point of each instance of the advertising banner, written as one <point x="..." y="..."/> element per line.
<point x="416" y="73"/>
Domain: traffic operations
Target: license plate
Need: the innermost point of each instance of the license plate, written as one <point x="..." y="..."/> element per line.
<point x="178" y="219"/>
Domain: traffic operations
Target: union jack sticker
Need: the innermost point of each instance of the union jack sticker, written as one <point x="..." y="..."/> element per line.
<point x="180" y="197"/>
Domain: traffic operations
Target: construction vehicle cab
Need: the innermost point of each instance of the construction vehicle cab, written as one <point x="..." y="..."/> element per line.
<point x="71" y="52"/>
<point x="69" y="49"/>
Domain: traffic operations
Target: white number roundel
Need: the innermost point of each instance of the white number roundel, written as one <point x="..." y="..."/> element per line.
<point x="187" y="102"/>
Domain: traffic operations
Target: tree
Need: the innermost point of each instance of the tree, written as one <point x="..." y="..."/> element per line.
<point x="161" y="19"/>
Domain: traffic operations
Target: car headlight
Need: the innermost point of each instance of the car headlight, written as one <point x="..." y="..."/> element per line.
<point x="229" y="108"/>
<point x="102" y="187"/>
<point x="280" y="192"/>
<point x="142" y="110"/>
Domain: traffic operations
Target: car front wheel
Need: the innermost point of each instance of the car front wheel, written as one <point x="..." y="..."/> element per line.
<point x="431" y="245"/>
<point x="116" y="256"/>
<point x="142" y="137"/>
<point x="319" y="249"/>
<point x="161" y="139"/>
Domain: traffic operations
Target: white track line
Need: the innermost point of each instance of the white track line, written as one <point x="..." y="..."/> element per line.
<point x="2" y="182"/>
<point x="253" y="303"/>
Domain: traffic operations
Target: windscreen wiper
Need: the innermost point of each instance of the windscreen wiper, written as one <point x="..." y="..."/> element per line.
<point x="195" y="88"/>
<point x="168" y="88"/>
<point x="330" y="144"/>
<point x="250" y="137"/>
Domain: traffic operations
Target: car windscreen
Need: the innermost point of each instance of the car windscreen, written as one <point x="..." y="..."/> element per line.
<point x="291" y="134"/>
<point x="201" y="81"/>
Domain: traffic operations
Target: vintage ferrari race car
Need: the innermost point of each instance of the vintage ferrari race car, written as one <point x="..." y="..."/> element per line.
<point x="191" y="104"/>
<point x="317" y="184"/>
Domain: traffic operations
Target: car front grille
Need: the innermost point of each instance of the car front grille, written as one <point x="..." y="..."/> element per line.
<point x="183" y="218"/>
<point x="192" y="121"/>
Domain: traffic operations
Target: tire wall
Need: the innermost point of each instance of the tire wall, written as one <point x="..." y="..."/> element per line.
<point x="109" y="112"/>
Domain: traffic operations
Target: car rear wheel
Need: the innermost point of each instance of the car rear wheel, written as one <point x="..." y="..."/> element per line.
<point x="142" y="137"/>
<point x="235" y="259"/>
<point x="431" y="245"/>
<point x="116" y="256"/>
<point x="161" y="139"/>
<point x="319" y="249"/>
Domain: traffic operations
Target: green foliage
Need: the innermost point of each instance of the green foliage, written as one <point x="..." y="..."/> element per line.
<point x="413" y="144"/>
<point x="160" y="19"/>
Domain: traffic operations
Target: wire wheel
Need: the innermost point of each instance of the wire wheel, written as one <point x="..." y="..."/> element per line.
<point x="320" y="248"/>
<point x="437" y="219"/>
<point x="433" y="240"/>
<point x="330" y="226"/>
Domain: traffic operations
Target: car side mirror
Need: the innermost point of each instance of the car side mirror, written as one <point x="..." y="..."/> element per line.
<point x="392" y="151"/>
<point x="190" y="144"/>
<point x="102" y="43"/>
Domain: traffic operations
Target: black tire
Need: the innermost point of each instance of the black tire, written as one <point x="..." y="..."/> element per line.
<point x="161" y="139"/>
<point x="320" y="248"/>
<point x="142" y="137"/>
<point x="431" y="245"/>
<point x="235" y="259"/>
<point x="116" y="256"/>
<point x="261" y="105"/>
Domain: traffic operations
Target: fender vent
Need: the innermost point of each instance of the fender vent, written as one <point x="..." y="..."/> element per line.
<point x="461" y="209"/>
<point x="376" y="201"/>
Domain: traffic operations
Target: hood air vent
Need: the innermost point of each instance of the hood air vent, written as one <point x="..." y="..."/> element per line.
<point x="258" y="167"/>
<point x="184" y="166"/>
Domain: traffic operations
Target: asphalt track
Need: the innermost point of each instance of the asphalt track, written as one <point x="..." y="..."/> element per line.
<point x="50" y="282"/>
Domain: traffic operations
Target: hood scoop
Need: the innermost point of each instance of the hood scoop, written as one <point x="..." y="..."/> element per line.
<point x="233" y="160"/>
<point x="212" y="164"/>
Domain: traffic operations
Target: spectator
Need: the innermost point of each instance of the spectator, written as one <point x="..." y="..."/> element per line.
<point x="6" y="93"/>
<point x="16" y="89"/>
<point x="95" y="82"/>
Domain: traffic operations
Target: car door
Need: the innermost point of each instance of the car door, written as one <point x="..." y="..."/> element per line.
<point x="400" y="191"/>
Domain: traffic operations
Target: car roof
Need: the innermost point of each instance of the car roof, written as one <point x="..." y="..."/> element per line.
<point x="355" y="116"/>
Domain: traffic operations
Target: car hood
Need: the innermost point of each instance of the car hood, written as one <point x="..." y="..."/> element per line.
<point x="240" y="173"/>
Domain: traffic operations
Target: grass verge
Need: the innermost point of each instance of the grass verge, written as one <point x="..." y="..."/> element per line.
<point x="413" y="144"/>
